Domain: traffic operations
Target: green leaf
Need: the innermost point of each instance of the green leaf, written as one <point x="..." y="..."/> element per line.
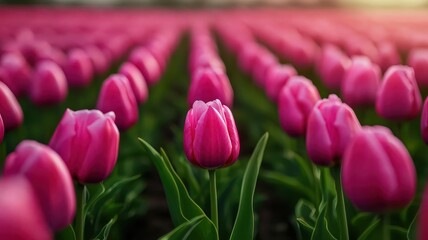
<point x="306" y="210"/>
<point x="244" y="223"/>
<point x="411" y="232"/>
<point x="105" y="231"/>
<point x="184" y="230"/>
<point x="369" y="230"/>
<point x="321" y="230"/>
<point x="305" y="229"/>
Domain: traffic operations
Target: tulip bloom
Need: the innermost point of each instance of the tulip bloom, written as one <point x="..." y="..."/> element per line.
<point x="276" y="78"/>
<point x="88" y="142"/>
<point x="49" y="85"/>
<point x="78" y="68"/>
<point x="418" y="60"/>
<point x="17" y="72"/>
<point x="331" y="66"/>
<point x="388" y="55"/>
<point x="136" y="80"/>
<point x="424" y="121"/>
<point x="116" y="95"/>
<point x="21" y="217"/>
<point x="49" y="177"/>
<point x="423" y="217"/>
<point x="10" y="110"/>
<point x="398" y="97"/>
<point x="295" y="103"/>
<point x="208" y="84"/>
<point x="149" y="67"/>
<point x="361" y="82"/>
<point x="331" y="126"/>
<point x="378" y="174"/>
<point x="210" y="136"/>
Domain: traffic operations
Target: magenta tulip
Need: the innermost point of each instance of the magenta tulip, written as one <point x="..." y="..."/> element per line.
<point x="49" y="85"/>
<point x="378" y="174"/>
<point x="388" y="55"/>
<point x="331" y="66"/>
<point x="136" y="80"/>
<point x="208" y="84"/>
<point x="50" y="179"/>
<point x="116" y="95"/>
<point x="78" y="68"/>
<point x="10" y="110"/>
<point x="331" y="126"/>
<point x="424" y="121"/>
<point x="18" y="73"/>
<point x="398" y="97"/>
<point x="149" y="67"/>
<point x="418" y="60"/>
<point x="422" y="233"/>
<point x="295" y="103"/>
<point x="21" y="217"/>
<point x="88" y="142"/>
<point x="276" y="78"/>
<point x="210" y="136"/>
<point x="361" y="82"/>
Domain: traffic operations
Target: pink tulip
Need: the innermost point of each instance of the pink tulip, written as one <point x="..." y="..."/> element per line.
<point x="49" y="85"/>
<point x="418" y="60"/>
<point x="88" y="142"/>
<point x="100" y="63"/>
<point x="398" y="97"/>
<point x="331" y="126"/>
<point x="210" y="136"/>
<point x="332" y="65"/>
<point x="116" y="95"/>
<point x="149" y="67"/>
<point x="388" y="55"/>
<point x="50" y="179"/>
<point x="422" y="230"/>
<point x="21" y="217"/>
<point x="378" y="174"/>
<point x="78" y="68"/>
<point x="18" y="73"/>
<point x="295" y="102"/>
<point x="10" y="110"/>
<point x="136" y="80"/>
<point x="361" y="82"/>
<point x="1" y="129"/>
<point x="208" y="84"/>
<point x="424" y="121"/>
<point x="276" y="78"/>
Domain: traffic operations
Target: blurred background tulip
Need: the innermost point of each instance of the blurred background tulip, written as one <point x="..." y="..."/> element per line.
<point x="10" y="109"/>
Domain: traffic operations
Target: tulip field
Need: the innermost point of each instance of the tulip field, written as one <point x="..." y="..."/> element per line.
<point x="132" y="123"/>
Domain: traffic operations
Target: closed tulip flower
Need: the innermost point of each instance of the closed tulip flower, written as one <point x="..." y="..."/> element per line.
<point x="210" y="136"/>
<point x="50" y="179"/>
<point x="136" y="80"/>
<point x="378" y="174"/>
<point x="418" y="60"/>
<point x="18" y="73"/>
<point x="424" y="122"/>
<point x="49" y="85"/>
<point x="149" y="67"/>
<point x="88" y="142"/>
<point x="276" y="78"/>
<point x="331" y="66"/>
<point x="208" y="84"/>
<point x="1" y="129"/>
<point x="398" y="97"/>
<point x="21" y="217"/>
<point x="361" y="82"/>
<point x="78" y="68"/>
<point x="10" y="110"/>
<point x="295" y="103"/>
<point x="331" y="126"/>
<point x="116" y="95"/>
<point x="423" y="217"/>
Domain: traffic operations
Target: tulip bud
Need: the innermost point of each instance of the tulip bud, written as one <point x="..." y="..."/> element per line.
<point x="331" y="66"/>
<point x="423" y="217"/>
<point x="18" y="73"/>
<point x="50" y="179"/>
<point x="100" y="63"/>
<point x="49" y="85"/>
<point x="88" y="142"/>
<point x="424" y="121"/>
<point x="398" y="97"/>
<point x="78" y="68"/>
<point x="21" y="217"/>
<point x="276" y="78"/>
<point x="331" y="126"/>
<point x="295" y="103"/>
<point x="116" y="95"/>
<point x="207" y="85"/>
<point x="147" y="64"/>
<point x="378" y="173"/>
<point x="10" y="110"/>
<point x="418" y="60"/>
<point x="210" y="136"/>
<point x="388" y="55"/>
<point x="136" y="80"/>
<point x="361" y="82"/>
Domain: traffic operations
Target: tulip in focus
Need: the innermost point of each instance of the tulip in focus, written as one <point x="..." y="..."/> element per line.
<point x="418" y="60"/>
<point x="78" y="68"/>
<point x="21" y="217"/>
<point x="276" y="78"/>
<point x="295" y="103"/>
<point x="210" y="135"/>
<point x="88" y="142"/>
<point x="378" y="174"/>
<point x="361" y="82"/>
<point x="116" y="95"/>
<point x="10" y="110"/>
<point x="49" y="85"/>
<point x="50" y="179"/>
<point x="136" y="80"/>
<point x="398" y="97"/>
<point x="331" y="126"/>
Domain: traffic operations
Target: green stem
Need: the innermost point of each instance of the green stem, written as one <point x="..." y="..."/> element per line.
<point x="213" y="191"/>
<point x="343" y="222"/>
<point x="80" y="211"/>
<point x="385" y="227"/>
